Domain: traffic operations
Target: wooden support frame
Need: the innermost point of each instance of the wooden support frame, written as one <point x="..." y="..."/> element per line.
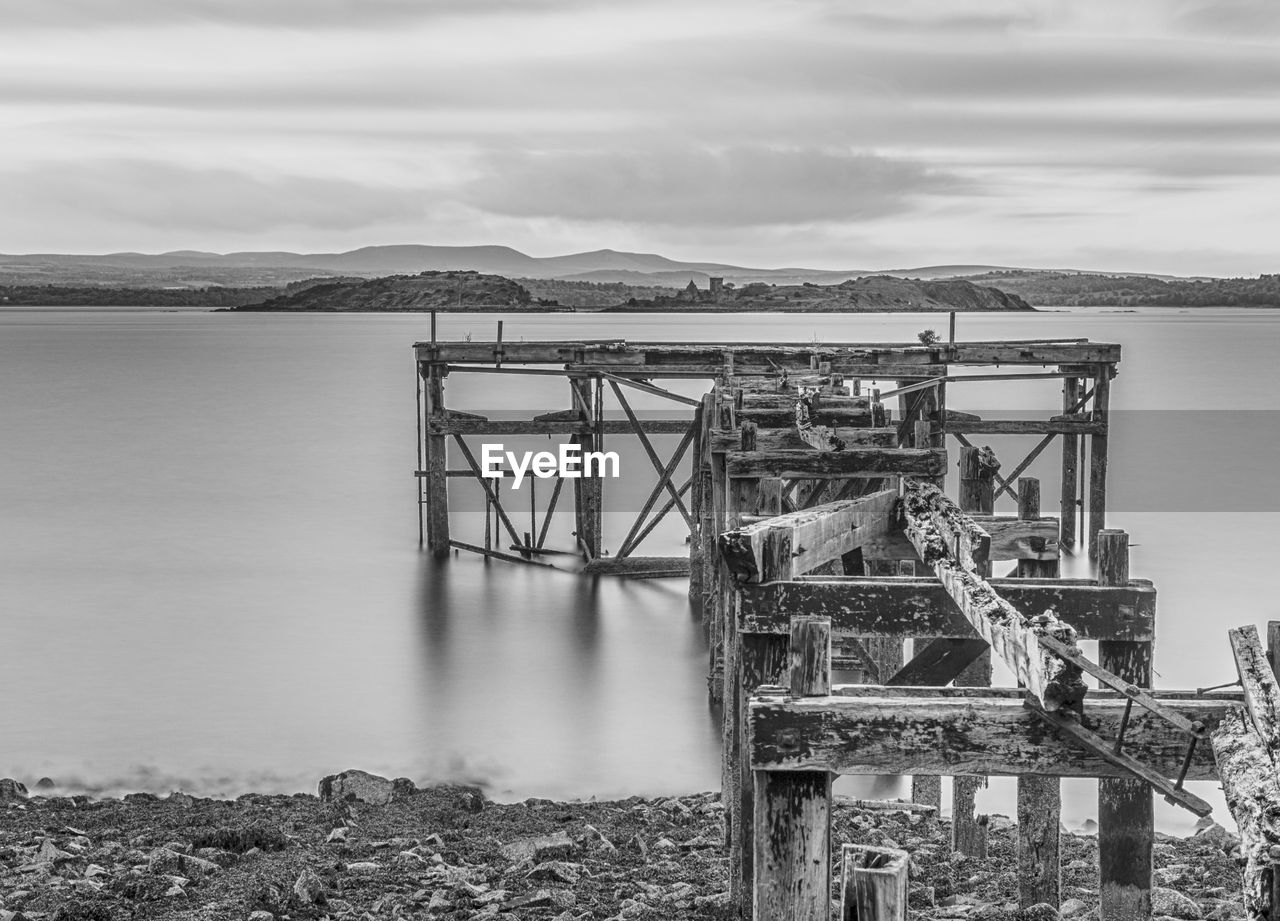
<point x="969" y="731"/>
<point x="873" y="883"/>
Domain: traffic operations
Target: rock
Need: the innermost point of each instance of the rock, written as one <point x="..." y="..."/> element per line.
<point x="1039" y="912"/>
<point x="1087" y="827"/>
<point x="1072" y="907"/>
<point x="309" y="889"/>
<point x="539" y="848"/>
<point x="556" y="870"/>
<point x="185" y="800"/>
<point x="718" y="901"/>
<point x="1174" y="904"/>
<point x="363" y="866"/>
<point x="365" y="788"/>
<point x="1167" y="876"/>
<point x="1218" y="836"/>
<point x="541" y="897"/>
<point x="593" y="838"/>
<point x="45" y="784"/>
<point x="338" y="835"/>
<point x="261" y="915"/>
<point x="10" y="789"/>
<point x="165" y="861"/>
<point x="1226" y="910"/>
<point x="51" y="854"/>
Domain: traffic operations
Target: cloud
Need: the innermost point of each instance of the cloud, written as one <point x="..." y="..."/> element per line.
<point x="294" y="15"/>
<point x="741" y="185"/>
<point x="160" y="195"/>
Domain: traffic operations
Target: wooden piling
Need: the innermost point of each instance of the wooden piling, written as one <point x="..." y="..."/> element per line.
<point x="1126" y="818"/>
<point x="588" y="491"/>
<point x="873" y="883"/>
<point x="1039" y="797"/>
<point x="1071" y="391"/>
<point x="696" y="502"/>
<point x="758" y="659"/>
<point x="1097" y="512"/>
<point x="792" y="825"/>
<point x="969" y="830"/>
<point x="437" y="466"/>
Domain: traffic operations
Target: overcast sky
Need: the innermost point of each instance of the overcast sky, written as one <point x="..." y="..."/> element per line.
<point x="1108" y="134"/>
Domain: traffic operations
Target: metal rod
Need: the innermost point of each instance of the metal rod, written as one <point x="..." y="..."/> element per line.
<point x="1218" y="687"/>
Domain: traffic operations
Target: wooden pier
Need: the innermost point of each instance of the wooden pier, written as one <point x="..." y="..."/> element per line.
<point x="823" y="540"/>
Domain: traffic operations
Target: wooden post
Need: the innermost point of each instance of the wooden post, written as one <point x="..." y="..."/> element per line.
<point x="587" y="491"/>
<point x="1071" y="390"/>
<point x="792" y="827"/>
<point x="696" y="500"/>
<point x="873" y="883"/>
<point x="1126" y="825"/>
<point x="1097" y="518"/>
<point x="1039" y="797"/>
<point x="437" y="469"/>
<point x="758" y="659"/>
<point x="969" y="830"/>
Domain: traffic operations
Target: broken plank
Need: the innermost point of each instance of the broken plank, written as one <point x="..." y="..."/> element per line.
<point x="1249" y="782"/>
<point x="970" y="734"/>
<point x="787" y="545"/>
<point x="932" y="521"/>
<point x="1261" y="696"/>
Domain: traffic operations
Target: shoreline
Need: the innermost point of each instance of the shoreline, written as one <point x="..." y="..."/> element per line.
<point x="366" y="844"/>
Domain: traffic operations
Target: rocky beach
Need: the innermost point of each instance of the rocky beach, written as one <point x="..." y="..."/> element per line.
<point x="366" y="848"/>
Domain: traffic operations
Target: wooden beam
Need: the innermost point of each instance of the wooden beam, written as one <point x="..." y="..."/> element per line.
<point x="918" y="607"/>
<point x="573" y="426"/>
<point x="939" y="663"/>
<point x="1261" y="695"/>
<point x="851" y="462"/>
<point x="801" y="541"/>
<point x="638" y="567"/>
<point x="933" y="520"/>
<point x="792" y="826"/>
<point x="778" y="439"/>
<point x="1249" y="781"/>
<point x="972" y="733"/>
<point x="1054" y="426"/>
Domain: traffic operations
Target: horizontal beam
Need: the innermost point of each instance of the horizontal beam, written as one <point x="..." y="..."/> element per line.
<point x="965" y="735"/>
<point x="778" y="439"/>
<point x="788" y="545"/>
<point x="1026" y="427"/>
<point x="786" y="415"/>
<point x="917" y="608"/>
<point x="553" y="427"/>
<point x="1011" y="539"/>
<point x="617" y="353"/>
<point x="638" y="567"/>
<point x="851" y="462"/>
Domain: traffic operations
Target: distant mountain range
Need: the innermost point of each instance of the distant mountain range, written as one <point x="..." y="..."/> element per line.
<point x="190" y="267"/>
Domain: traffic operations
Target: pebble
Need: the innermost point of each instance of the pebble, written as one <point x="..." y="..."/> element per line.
<point x="1174" y="904"/>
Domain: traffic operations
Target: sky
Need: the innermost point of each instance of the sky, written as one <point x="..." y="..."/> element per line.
<point x="1141" y="135"/>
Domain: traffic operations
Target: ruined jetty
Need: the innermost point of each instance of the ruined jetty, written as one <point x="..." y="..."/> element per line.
<point x="823" y="539"/>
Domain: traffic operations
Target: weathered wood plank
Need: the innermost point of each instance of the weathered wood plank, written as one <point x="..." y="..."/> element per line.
<point x="638" y="566"/>
<point x="851" y="416"/>
<point x="873" y="885"/>
<point x="856" y="461"/>
<point x="1011" y="539"/>
<point x="781" y="439"/>
<point x="1253" y="794"/>
<point x="939" y="733"/>
<point x="787" y="545"/>
<point x="1054" y="426"/>
<point x="1261" y="695"/>
<point x="1013" y="636"/>
<point x="917" y="607"/>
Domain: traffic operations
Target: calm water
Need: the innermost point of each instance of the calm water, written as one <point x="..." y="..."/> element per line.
<point x="210" y="578"/>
